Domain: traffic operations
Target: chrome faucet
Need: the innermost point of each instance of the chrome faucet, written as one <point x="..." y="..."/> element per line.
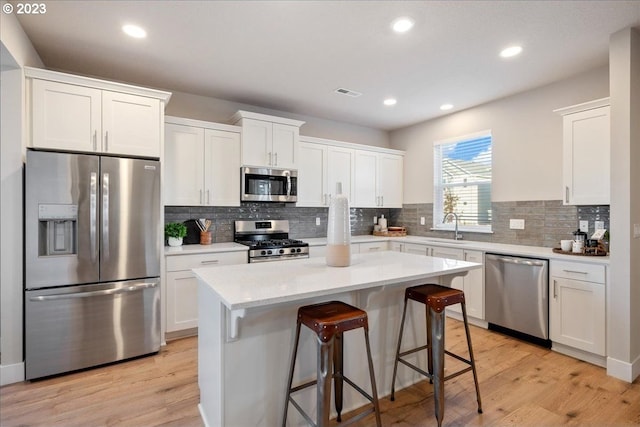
<point x="456" y="235"/>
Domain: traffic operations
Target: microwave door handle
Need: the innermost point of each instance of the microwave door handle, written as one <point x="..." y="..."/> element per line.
<point x="288" y="185"/>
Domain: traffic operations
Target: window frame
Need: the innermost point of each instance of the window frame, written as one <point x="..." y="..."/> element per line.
<point x="438" y="187"/>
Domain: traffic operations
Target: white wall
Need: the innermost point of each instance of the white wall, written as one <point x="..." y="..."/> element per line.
<point x="220" y="111"/>
<point x="16" y="51"/>
<point x="623" y="309"/>
<point x="527" y="138"/>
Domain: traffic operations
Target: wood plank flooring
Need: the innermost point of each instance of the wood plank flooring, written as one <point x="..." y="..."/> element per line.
<point x="521" y="385"/>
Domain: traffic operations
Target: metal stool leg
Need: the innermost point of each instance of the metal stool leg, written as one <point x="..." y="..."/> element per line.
<point x="429" y="345"/>
<point x="374" y="390"/>
<point x="338" y="373"/>
<point x="290" y="382"/>
<point x="471" y="358"/>
<point x="395" y="363"/>
<point x="323" y="393"/>
<point x="437" y="326"/>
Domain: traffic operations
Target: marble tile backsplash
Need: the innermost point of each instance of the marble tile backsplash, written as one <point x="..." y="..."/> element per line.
<point x="546" y="221"/>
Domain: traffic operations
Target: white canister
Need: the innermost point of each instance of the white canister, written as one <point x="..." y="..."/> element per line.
<point x="339" y="231"/>
<point x="382" y="222"/>
<point x="578" y="246"/>
<point x="566" y="245"/>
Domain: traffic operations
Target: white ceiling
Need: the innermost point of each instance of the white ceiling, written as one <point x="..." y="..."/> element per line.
<point x="292" y="55"/>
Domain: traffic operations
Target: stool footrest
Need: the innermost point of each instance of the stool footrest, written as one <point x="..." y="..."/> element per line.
<point x="415" y="368"/>
<point x="404" y="353"/>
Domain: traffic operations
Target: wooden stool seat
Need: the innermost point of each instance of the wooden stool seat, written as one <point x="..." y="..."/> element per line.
<point x="329" y="321"/>
<point x="435" y="298"/>
<point x="332" y="318"/>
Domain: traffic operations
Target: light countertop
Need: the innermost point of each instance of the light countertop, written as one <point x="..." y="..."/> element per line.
<point x="500" y="248"/>
<point x="263" y="284"/>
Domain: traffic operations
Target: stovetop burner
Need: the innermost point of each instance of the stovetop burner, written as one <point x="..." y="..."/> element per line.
<point x="268" y="240"/>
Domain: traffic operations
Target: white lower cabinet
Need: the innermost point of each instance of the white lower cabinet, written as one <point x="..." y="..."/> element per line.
<point x="181" y="300"/>
<point x="577" y="306"/>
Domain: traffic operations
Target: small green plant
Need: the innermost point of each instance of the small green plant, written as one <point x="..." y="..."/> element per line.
<point x="175" y="229"/>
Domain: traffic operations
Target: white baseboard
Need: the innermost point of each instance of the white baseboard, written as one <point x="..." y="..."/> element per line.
<point x="623" y="370"/>
<point x="10" y="374"/>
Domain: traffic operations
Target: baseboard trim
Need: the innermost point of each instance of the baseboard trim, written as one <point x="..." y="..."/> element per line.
<point x="10" y="374"/>
<point x="623" y="370"/>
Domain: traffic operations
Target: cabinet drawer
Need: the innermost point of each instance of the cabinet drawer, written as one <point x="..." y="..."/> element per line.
<point x="578" y="271"/>
<point x="187" y="262"/>
<point x="373" y="247"/>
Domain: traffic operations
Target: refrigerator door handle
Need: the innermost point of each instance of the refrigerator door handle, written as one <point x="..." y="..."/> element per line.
<point x="116" y="291"/>
<point x="93" y="214"/>
<point x="105" y="215"/>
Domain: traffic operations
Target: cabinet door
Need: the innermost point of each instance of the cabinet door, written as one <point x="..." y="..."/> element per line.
<point x="130" y="124"/>
<point x="65" y="117"/>
<point x="183" y="165"/>
<point x="586" y="170"/>
<point x="474" y="286"/>
<point x="390" y="170"/>
<point x="458" y="254"/>
<point x="340" y="163"/>
<point x="221" y="168"/>
<point x="257" y="143"/>
<point x="181" y="301"/>
<point x="365" y="192"/>
<point x="285" y="146"/>
<point x="312" y="175"/>
<point x="577" y="314"/>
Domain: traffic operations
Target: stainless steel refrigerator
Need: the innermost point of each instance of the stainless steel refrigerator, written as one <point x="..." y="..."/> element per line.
<point x="92" y="260"/>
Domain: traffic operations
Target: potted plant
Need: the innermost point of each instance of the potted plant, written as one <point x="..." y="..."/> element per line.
<point x="175" y="232"/>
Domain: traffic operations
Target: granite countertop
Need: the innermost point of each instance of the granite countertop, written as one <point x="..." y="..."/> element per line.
<point x="243" y="286"/>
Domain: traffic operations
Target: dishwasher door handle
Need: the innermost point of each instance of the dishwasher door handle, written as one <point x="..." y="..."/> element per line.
<point x="522" y="262"/>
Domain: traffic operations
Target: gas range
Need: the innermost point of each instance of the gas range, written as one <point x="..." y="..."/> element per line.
<point x="268" y="240"/>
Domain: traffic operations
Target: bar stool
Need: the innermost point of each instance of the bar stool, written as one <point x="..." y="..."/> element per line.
<point x="436" y="298"/>
<point x="329" y="321"/>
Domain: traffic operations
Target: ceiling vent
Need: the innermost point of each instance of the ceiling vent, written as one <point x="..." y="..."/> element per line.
<point x="351" y="93"/>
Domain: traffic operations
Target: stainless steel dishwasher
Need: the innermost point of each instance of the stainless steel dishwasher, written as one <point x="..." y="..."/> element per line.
<point x="517" y="296"/>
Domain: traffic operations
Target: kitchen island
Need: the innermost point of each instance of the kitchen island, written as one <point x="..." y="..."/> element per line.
<point x="247" y="322"/>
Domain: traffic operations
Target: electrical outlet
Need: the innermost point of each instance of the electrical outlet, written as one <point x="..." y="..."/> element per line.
<point x="584" y="226"/>
<point x="375" y="220"/>
<point x="422" y="221"/>
<point x="599" y="225"/>
<point x="516" y="224"/>
<point x="317" y="220"/>
<point x="636" y="231"/>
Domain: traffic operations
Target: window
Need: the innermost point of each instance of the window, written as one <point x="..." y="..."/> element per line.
<point x="462" y="182"/>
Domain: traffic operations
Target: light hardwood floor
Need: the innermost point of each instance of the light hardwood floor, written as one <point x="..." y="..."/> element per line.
<point x="521" y="385"/>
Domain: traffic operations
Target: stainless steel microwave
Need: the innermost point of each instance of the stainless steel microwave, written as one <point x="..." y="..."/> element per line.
<point x="269" y="185"/>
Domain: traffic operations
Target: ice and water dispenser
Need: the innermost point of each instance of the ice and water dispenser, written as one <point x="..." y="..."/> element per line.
<point x="57" y="229"/>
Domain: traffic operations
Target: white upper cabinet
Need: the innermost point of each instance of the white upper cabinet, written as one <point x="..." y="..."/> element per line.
<point x="268" y="141"/>
<point x="378" y="180"/>
<point x="370" y="177"/>
<point x="202" y="163"/>
<point x="65" y="117"/>
<point x="312" y="175"/>
<point x="130" y="124"/>
<point x="74" y="113"/>
<point x="586" y="153"/>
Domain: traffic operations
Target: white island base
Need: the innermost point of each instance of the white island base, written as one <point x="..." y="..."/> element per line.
<point x="247" y="319"/>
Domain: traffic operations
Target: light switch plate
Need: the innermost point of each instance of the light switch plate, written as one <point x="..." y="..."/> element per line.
<point x="317" y="220"/>
<point x="422" y="221"/>
<point x="516" y="224"/>
<point x="599" y="225"/>
<point x="584" y="226"/>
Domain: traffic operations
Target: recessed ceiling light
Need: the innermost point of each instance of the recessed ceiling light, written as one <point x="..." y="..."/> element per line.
<point x="511" y="51"/>
<point x="390" y="101"/>
<point x="402" y="25"/>
<point x="445" y="107"/>
<point x="134" y="31"/>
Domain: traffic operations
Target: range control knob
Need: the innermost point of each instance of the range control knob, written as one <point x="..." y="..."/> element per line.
<point x="269" y="252"/>
<point x="299" y="250"/>
<point x="281" y="251"/>
<point x="263" y="252"/>
<point x="293" y="251"/>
